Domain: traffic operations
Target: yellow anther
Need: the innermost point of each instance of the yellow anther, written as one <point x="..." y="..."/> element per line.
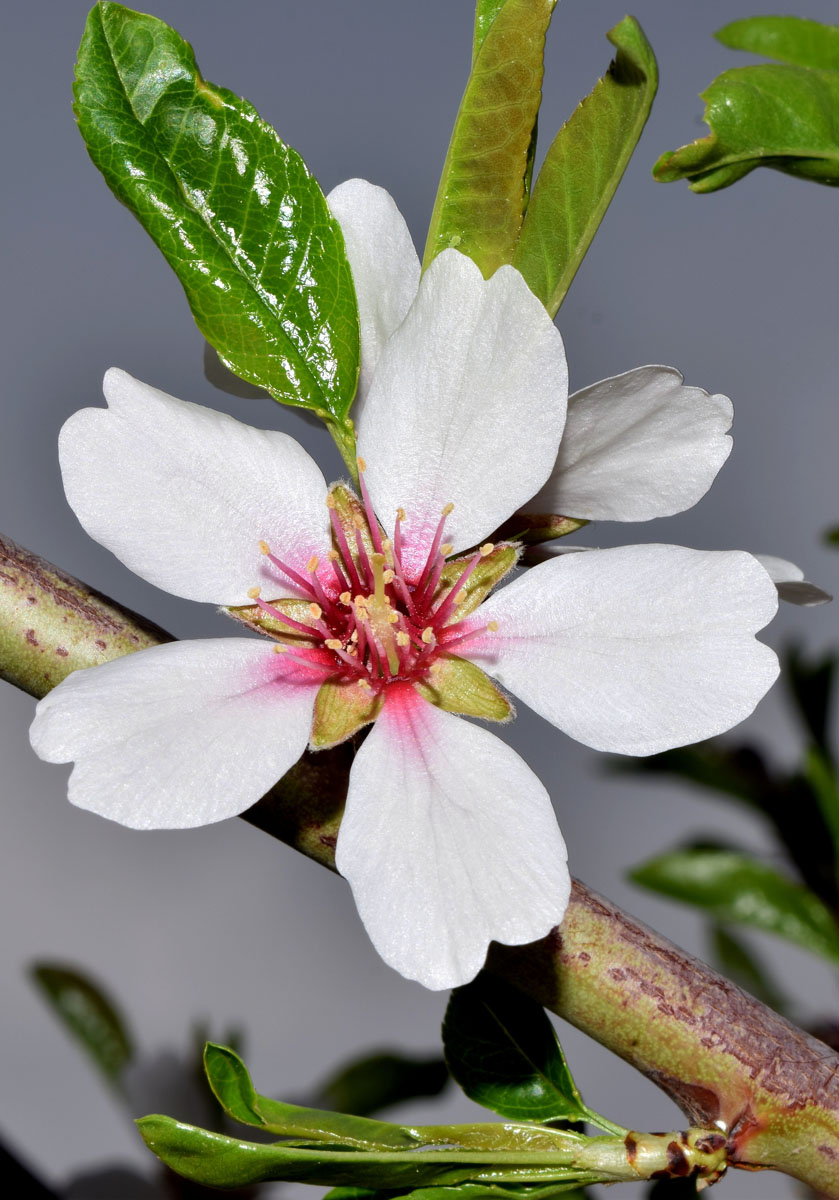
<point x="362" y="465"/>
<point x="402" y="638"/>
<point x="448" y="509"/>
<point x="427" y="634"/>
<point x="254" y="592"/>
<point x="365" y="686"/>
<point x="487" y="549"/>
<point x="353" y="651"/>
<point x="461" y="596"/>
<point x="354" y="636"/>
<point x="312" y="564"/>
<point x="392" y="617"/>
<point x="280" y="649"/>
<point x="316" y="611"/>
<point x="330" y="500"/>
<point x="345" y="597"/>
<point x="333" y="555"/>
<point x="446" y="549"/>
<point x="389" y="576"/>
<point x="360" y="601"/>
<point x="400" y="514"/>
<point x="492" y="626"/>
<point x="264" y="548"/>
<point x="334" y="643"/>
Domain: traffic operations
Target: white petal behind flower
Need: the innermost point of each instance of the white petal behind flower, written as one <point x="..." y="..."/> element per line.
<point x="179" y="735"/>
<point x="385" y="267"/>
<point x="183" y="494"/>
<point x="637" y="446"/>
<point x="638" y="649"/>
<point x="449" y="842"/>
<point x="790" y="582"/>
<point x="467" y="404"/>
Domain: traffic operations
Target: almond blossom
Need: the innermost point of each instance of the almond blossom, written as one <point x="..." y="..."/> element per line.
<point x="378" y="604"/>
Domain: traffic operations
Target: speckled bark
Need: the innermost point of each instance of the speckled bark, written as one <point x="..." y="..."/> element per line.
<point x="719" y="1053"/>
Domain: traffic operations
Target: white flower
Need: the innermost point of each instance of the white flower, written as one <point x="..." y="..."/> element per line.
<point x="448" y="840"/>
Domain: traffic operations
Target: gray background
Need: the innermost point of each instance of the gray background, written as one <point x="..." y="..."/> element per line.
<point x="738" y="290"/>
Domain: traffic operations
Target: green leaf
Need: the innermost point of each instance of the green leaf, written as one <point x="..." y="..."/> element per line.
<point x="795" y="40"/>
<point x="831" y="537"/>
<point x="217" y="1161"/>
<point x="485" y="13"/>
<point x="482" y="193"/>
<point x="88" y="1014"/>
<point x="744" y="968"/>
<point x="584" y="166"/>
<point x="768" y="115"/>
<point x="231" y="1084"/>
<point x="233" y="209"/>
<point x="379" y="1081"/>
<point x="502" y="1049"/>
<point x="733" y="887"/>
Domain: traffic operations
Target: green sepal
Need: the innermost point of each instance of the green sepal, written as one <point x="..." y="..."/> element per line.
<point x="261" y="622"/>
<point x="763" y="116"/>
<point x="482" y="194"/>
<point x="487" y="574"/>
<point x="232" y="208"/>
<point x="89" y="1015"/>
<point x="502" y="1049"/>
<point x="735" y="888"/>
<point x="468" y="1191"/>
<point x="342" y="708"/>
<point x="353" y="518"/>
<point x="532" y="528"/>
<point x="795" y="40"/>
<point x="231" y="1084"/>
<point x="584" y="166"/>
<point x="456" y="685"/>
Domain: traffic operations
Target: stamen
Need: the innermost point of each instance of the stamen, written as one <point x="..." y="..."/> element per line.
<point x="375" y="532"/>
<point x="427" y="635"/>
<point x="435" y="546"/>
<point x="345" y="598"/>
<point x="279" y="615"/>
<point x="402" y="638"/>
<point x="254" y="593"/>
<point x="286" y="570"/>
<point x="490" y="627"/>
<point x="446" y="607"/>
<point x="316" y="611"/>
<point x="310" y="663"/>
<point x="340" y="537"/>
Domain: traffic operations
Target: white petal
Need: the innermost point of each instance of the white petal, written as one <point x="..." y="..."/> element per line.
<point x="183" y="494"/>
<point x="637" y="446"/>
<point x="179" y="735"/>
<point x="790" y="582"/>
<point x="384" y="263"/>
<point x="637" y="649"/>
<point x="466" y="406"/>
<point x="449" y="842"/>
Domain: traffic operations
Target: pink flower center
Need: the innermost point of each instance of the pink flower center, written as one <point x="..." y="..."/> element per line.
<point x="371" y="622"/>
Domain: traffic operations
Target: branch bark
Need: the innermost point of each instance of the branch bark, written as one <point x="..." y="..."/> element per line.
<point x="725" y="1058"/>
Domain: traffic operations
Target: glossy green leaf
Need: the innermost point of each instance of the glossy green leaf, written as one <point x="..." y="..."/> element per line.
<point x="763" y="116"/>
<point x="233" y="209"/>
<point x="231" y="1084"/>
<point x="485" y="13"/>
<point x="482" y="193"/>
<point x="88" y="1014"/>
<point x="584" y="166"/>
<point x="218" y="1161"/>
<point x="379" y="1081"/>
<point x="795" y="40"/>
<point x="735" y="888"/>
<point x="502" y="1049"/>
<point x="744" y="968"/>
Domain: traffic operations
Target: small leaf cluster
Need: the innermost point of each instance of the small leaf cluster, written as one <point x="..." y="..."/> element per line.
<point x="783" y="114"/>
<point x="799" y="902"/>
